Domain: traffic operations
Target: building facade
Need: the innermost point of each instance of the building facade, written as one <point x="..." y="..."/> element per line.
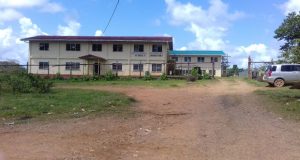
<point x="209" y="61"/>
<point x="91" y="55"/>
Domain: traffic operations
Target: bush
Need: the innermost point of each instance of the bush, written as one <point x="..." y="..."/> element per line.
<point x="193" y="76"/>
<point x="147" y="76"/>
<point x="109" y="76"/>
<point x="20" y="84"/>
<point x="164" y="77"/>
<point x="206" y="76"/>
<point x="27" y="83"/>
<point x="58" y="76"/>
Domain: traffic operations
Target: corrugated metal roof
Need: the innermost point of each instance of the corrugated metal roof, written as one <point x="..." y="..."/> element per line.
<point x="100" y="38"/>
<point x="196" y="52"/>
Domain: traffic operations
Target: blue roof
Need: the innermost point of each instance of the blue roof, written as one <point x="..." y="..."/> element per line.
<point x="196" y="52"/>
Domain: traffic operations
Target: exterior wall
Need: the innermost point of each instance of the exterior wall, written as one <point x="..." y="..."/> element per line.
<point x="206" y="65"/>
<point x="57" y="55"/>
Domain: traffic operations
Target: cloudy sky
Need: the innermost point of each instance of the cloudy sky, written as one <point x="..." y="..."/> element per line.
<point x="239" y="28"/>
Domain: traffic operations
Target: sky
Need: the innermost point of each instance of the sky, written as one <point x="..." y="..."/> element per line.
<point x="239" y="28"/>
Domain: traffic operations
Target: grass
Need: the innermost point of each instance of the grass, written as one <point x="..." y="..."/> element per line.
<point x="283" y="101"/>
<point x="255" y="82"/>
<point x="132" y="82"/>
<point x="61" y="103"/>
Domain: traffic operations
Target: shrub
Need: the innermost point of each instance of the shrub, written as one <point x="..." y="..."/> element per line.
<point x="85" y="78"/>
<point x="164" y="77"/>
<point x="206" y="76"/>
<point x="193" y="76"/>
<point x="147" y="76"/>
<point x="109" y="76"/>
<point x="58" y="76"/>
<point x="20" y="84"/>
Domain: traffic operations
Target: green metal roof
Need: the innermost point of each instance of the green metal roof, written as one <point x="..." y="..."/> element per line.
<point x="196" y="52"/>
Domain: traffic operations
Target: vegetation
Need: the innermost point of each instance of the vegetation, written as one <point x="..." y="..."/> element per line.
<point x="21" y="82"/>
<point x="255" y="82"/>
<point x="289" y="31"/>
<point x="109" y="76"/>
<point x="61" y="102"/>
<point x="163" y="77"/>
<point x="283" y="101"/>
<point x="147" y="76"/>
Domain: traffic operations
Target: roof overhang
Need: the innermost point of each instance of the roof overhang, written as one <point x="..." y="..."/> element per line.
<point x="91" y="57"/>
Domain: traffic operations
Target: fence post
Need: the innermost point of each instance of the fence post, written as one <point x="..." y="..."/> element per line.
<point x="213" y="69"/>
<point x="140" y="69"/>
<point x="249" y="68"/>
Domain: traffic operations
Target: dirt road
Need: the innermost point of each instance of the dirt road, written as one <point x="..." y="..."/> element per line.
<point x="220" y="121"/>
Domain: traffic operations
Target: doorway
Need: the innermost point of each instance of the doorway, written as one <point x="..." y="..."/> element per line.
<point x="96" y="68"/>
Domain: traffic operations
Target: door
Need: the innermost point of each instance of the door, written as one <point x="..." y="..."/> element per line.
<point x="96" y="68"/>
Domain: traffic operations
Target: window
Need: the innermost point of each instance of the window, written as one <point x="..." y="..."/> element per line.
<point x="200" y="59"/>
<point x="214" y="59"/>
<point x="187" y="59"/>
<point x="72" y="65"/>
<point x="175" y="59"/>
<point x="287" y="68"/>
<point x="44" y="46"/>
<point x="156" y="48"/>
<point x="97" y="47"/>
<point x="297" y="67"/>
<point x="117" y="47"/>
<point x="117" y="66"/>
<point x="72" y="47"/>
<point x="44" y="65"/>
<point x="138" y="67"/>
<point x="156" y="67"/>
<point x="138" y="48"/>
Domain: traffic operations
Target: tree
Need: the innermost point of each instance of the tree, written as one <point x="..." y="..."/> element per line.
<point x="289" y="31"/>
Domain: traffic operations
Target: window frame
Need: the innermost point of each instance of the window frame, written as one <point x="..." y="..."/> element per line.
<point x="117" y="47"/>
<point x="200" y="59"/>
<point x="117" y="67"/>
<point x="214" y="59"/>
<point x="155" y="67"/>
<point x="175" y="59"/>
<point x="74" y="66"/>
<point x="44" y="46"/>
<point x="43" y="65"/>
<point x="187" y="58"/>
<point x="97" y="47"/>
<point x="138" y="48"/>
<point x="73" y="47"/>
<point x="138" y="67"/>
<point x="157" y="48"/>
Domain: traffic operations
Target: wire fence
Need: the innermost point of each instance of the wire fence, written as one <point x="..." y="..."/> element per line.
<point x="71" y="69"/>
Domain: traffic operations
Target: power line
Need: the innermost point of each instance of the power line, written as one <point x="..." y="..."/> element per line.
<point x="111" y="16"/>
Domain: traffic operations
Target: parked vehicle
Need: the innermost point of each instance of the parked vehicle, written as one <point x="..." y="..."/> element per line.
<point x="280" y="74"/>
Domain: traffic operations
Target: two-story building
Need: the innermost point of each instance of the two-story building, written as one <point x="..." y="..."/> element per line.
<point x="209" y="61"/>
<point x="95" y="55"/>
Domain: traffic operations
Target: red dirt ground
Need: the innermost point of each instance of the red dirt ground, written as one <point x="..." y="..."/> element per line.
<point x="219" y="121"/>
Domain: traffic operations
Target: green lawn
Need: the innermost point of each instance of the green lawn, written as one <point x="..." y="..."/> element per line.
<point x="61" y="103"/>
<point x="283" y="101"/>
<point x="134" y="82"/>
<point x="255" y="82"/>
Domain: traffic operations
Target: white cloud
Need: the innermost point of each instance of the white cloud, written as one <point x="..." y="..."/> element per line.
<point x="29" y="29"/>
<point x="9" y="15"/>
<point x="208" y="25"/>
<point x="52" y="8"/>
<point x="98" y="33"/>
<point x="6" y="38"/>
<point x="291" y="6"/>
<point x="45" y="5"/>
<point x="21" y="3"/>
<point x="10" y="45"/>
<point x="257" y="51"/>
<point x="72" y="29"/>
